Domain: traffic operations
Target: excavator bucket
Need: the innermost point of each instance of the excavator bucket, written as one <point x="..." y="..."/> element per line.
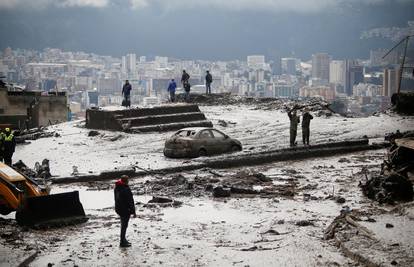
<point x="51" y="210"/>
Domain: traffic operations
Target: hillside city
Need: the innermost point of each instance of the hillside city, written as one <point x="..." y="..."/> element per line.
<point x="354" y="86"/>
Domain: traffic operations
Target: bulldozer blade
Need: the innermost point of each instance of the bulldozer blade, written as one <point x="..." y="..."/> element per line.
<point x="51" y="210"/>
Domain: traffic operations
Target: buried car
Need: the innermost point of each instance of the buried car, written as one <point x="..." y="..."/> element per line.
<point x="199" y="141"/>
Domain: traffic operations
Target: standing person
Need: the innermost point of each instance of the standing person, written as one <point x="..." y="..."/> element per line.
<point x="9" y="145"/>
<point x="294" y="121"/>
<point x="1" y="145"/>
<point x="171" y="89"/>
<point x="306" y="118"/>
<point x="186" y="85"/>
<point x="124" y="206"/>
<point x="126" y="92"/>
<point x="209" y="80"/>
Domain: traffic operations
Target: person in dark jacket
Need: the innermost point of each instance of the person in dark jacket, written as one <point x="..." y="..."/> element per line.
<point x="1" y="145"/>
<point x="209" y="80"/>
<point x="126" y="92"/>
<point x="171" y="89"/>
<point x="294" y="121"/>
<point x="124" y="206"/>
<point x="306" y="118"/>
<point x="9" y="145"/>
<point x="186" y="85"/>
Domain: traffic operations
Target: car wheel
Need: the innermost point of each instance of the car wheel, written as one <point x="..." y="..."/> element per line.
<point x="235" y="148"/>
<point x="5" y="210"/>
<point x="202" y="152"/>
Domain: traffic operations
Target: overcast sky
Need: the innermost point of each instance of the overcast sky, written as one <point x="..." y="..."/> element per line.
<point x="207" y="29"/>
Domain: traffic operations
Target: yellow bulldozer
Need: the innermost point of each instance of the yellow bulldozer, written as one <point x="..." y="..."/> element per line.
<point x="33" y="204"/>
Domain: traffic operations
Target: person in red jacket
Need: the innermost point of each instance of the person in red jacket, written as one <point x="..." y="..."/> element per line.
<point x="124" y="206"/>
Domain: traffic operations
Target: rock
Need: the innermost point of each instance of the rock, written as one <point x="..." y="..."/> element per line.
<point x="237" y="190"/>
<point x="344" y="160"/>
<point x="340" y="200"/>
<point x="222" y="123"/>
<point x="93" y="133"/>
<point x="388" y="225"/>
<point x="219" y="191"/>
<point x="394" y="262"/>
<point x="177" y="180"/>
<point x="160" y="200"/>
<point x="209" y="187"/>
<point x="304" y="223"/>
<point x="262" y="178"/>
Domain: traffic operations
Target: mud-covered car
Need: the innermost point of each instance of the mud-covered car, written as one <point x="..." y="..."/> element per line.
<point x="198" y="141"/>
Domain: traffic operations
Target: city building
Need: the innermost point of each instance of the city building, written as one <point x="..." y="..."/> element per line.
<point x="320" y="66"/>
<point x="337" y="72"/>
<point x="354" y="74"/>
<point x="256" y="61"/>
<point x="289" y="66"/>
<point x="390" y="82"/>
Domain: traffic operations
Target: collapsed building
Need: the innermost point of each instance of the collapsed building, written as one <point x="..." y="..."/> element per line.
<point x="31" y="109"/>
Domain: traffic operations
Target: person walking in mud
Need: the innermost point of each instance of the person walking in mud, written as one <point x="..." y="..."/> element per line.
<point x="124" y="206"/>
<point x="171" y="89"/>
<point x="126" y="92"/>
<point x="294" y="121"/>
<point x="186" y="85"/>
<point x="209" y="80"/>
<point x="306" y="118"/>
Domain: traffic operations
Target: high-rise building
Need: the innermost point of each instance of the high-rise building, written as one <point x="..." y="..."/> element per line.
<point x="320" y="66"/>
<point x="390" y="82"/>
<point x="276" y="66"/>
<point x="256" y="61"/>
<point x="289" y="66"/>
<point x="123" y="65"/>
<point x="337" y="72"/>
<point x="131" y="63"/>
<point x="354" y="74"/>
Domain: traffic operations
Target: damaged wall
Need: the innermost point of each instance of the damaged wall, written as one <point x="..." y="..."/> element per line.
<point x="20" y="107"/>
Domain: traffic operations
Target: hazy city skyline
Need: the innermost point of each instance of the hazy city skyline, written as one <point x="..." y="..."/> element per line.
<point x="210" y="29"/>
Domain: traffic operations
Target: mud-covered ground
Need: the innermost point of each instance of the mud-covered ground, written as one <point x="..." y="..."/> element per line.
<point x="282" y="224"/>
<point x="276" y="214"/>
<point x="257" y="129"/>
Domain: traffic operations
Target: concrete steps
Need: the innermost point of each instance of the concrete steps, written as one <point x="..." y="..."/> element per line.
<point x="170" y="126"/>
<point x="164" y="119"/>
<point x="160" y="118"/>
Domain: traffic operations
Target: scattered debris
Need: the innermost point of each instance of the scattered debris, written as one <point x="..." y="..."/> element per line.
<point x="93" y="133"/>
<point x="219" y="191"/>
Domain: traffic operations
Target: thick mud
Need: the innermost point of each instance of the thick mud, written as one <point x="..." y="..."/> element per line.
<point x="258" y="130"/>
<point x="241" y="230"/>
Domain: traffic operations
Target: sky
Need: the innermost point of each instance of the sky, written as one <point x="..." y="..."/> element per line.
<point x="203" y="29"/>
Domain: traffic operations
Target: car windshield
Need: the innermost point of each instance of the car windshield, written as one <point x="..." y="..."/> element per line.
<point x="185" y="133"/>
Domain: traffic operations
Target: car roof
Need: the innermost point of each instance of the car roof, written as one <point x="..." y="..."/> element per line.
<point x="196" y="129"/>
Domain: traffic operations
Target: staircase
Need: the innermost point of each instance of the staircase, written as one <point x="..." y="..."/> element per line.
<point x="161" y="118"/>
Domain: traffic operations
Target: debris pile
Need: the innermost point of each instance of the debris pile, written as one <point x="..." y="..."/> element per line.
<point x="264" y="103"/>
<point x="33" y="134"/>
<point x="39" y="171"/>
<point x="394" y="183"/>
